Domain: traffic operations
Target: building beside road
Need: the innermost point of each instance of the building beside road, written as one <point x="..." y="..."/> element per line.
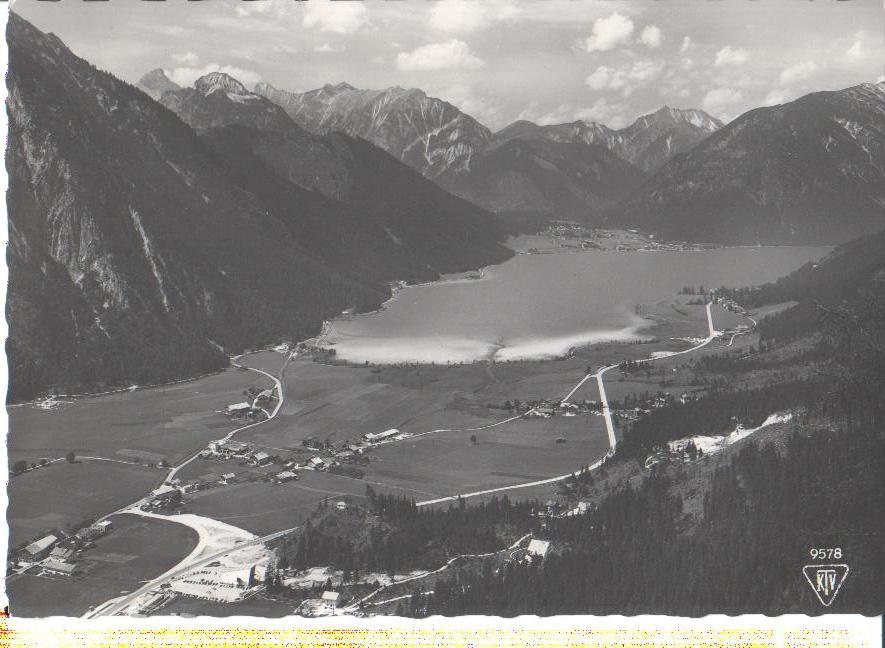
<point x="260" y="459"/>
<point x="375" y="437"/>
<point x="54" y="566"/>
<point x="218" y="583"/>
<point x="39" y="549"/>
<point x="94" y="531"/>
<point x="66" y="554"/>
<point x="537" y="549"/>
<point x="285" y="476"/>
<point x="238" y="409"/>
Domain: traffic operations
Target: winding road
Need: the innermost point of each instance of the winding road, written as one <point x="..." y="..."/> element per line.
<point x="114" y="606"/>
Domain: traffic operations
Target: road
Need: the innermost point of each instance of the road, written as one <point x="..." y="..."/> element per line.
<point x="712" y="334"/>
<point x="115" y="606"/>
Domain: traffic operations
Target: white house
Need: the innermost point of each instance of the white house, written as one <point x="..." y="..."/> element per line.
<point x="538" y="548"/>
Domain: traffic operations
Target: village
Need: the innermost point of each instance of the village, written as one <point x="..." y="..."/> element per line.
<point x="57" y="553"/>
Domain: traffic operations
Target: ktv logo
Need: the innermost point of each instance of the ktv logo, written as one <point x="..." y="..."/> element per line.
<point x="825" y="580"/>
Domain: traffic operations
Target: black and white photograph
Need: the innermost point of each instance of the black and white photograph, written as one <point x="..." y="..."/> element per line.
<point x="449" y="308"/>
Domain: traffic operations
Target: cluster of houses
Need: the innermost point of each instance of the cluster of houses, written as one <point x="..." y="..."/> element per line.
<point x="326" y="605"/>
<point x="550" y="408"/>
<point x="730" y="305"/>
<point x="164" y="502"/>
<point x="56" y="554"/>
<point x="254" y="408"/>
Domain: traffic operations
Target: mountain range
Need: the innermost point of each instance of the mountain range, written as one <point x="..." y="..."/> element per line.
<point x="142" y="251"/>
<point x="808" y="171"/>
<point x="811" y="171"/>
<point x="155" y="231"/>
<point x="563" y="171"/>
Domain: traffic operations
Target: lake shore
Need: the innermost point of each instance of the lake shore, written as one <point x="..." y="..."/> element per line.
<point x="545" y="303"/>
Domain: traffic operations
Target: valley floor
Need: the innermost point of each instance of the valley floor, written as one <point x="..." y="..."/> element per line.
<point x="457" y="437"/>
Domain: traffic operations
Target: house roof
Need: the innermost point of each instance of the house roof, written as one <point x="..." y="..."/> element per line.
<point x="538" y="547"/>
<point x="41" y="545"/>
<point x="229" y="476"/>
<point x="239" y="406"/>
<point x="331" y="596"/>
<point x="261" y="455"/>
<point x="59" y="566"/>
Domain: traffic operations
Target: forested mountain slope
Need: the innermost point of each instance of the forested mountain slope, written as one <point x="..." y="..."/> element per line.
<point x="138" y="253"/>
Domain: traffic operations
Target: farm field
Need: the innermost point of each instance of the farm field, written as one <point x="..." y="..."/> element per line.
<point x="524" y="450"/>
<point x="152" y="424"/>
<point x="264" y="507"/>
<point x="68" y="493"/>
<point x="118" y="562"/>
<point x="340" y="403"/>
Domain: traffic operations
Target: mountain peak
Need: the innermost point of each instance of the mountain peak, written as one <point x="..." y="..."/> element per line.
<point x="692" y="116"/>
<point x="209" y="83"/>
<point x="338" y="87"/>
<point x="155" y="83"/>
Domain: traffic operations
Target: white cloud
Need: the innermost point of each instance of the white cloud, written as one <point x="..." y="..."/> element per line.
<point x="774" y="98"/>
<point x="651" y="36"/>
<point x="687" y="63"/>
<point x="798" y="72"/>
<point x="186" y="58"/>
<point x="858" y="50"/>
<point x="185" y="76"/>
<point x="327" y="47"/>
<point x="613" y="115"/>
<point x="609" y="33"/>
<point x="468" y="99"/>
<point x="173" y="30"/>
<point x="335" y="17"/>
<point x="254" y="7"/>
<point x="686" y="45"/>
<point x="721" y="101"/>
<point x="729" y="55"/>
<point x="452" y="54"/>
<point x="627" y="77"/>
<point x="463" y="16"/>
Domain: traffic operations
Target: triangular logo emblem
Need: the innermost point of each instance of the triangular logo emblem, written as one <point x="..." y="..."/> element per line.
<point x="825" y="580"/>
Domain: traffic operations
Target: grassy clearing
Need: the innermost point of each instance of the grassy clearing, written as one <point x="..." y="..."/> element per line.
<point x="68" y="493"/>
<point x="162" y="422"/>
<point x="119" y="562"/>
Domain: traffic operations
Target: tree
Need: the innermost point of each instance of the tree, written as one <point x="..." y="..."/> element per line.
<point x="70" y="457"/>
<point x="20" y="466"/>
<point x="472" y="438"/>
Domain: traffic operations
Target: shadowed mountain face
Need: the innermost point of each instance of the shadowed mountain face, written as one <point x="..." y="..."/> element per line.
<point x="565" y="171"/>
<point x="538" y="177"/>
<point x="428" y="134"/>
<point x="810" y="171"/>
<point x="139" y="252"/>
<point x="647" y="143"/>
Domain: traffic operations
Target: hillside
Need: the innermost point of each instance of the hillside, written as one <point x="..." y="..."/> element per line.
<point x="137" y="254"/>
<point x="809" y="171"/>
<point x="426" y="133"/>
<point x="536" y="177"/>
<point x="647" y="143"/>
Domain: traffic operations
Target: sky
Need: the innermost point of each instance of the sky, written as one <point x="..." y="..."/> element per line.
<point x="549" y="61"/>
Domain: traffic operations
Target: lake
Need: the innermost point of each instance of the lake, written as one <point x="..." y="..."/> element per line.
<point x="537" y="306"/>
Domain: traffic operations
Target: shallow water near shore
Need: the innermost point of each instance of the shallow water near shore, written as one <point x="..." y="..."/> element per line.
<point x="538" y="306"/>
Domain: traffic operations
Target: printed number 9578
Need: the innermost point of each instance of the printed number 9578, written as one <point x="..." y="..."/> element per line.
<point x="828" y="553"/>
